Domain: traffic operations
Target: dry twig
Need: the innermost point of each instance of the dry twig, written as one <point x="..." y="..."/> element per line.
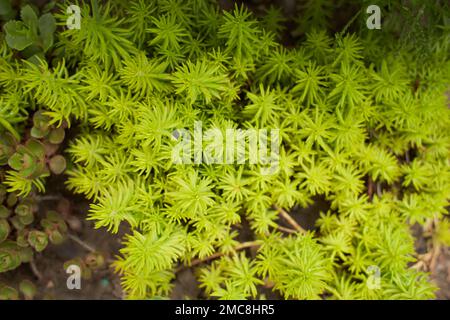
<point x="216" y="255"/>
<point x="290" y="220"/>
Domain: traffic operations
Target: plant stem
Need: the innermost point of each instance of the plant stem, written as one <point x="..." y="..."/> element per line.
<point x="47" y="198"/>
<point x="35" y="270"/>
<point x="288" y="230"/>
<point x="379" y="193"/>
<point x="81" y="243"/>
<point x="370" y="188"/>
<point x="289" y="219"/>
<point x="216" y="255"/>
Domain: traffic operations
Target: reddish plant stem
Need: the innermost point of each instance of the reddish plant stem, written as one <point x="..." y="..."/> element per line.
<point x="289" y="219"/>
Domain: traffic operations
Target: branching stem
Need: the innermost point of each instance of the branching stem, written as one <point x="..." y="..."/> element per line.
<point x="290" y="220"/>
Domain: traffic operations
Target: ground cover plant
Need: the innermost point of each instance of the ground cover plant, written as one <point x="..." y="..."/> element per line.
<point x="165" y="98"/>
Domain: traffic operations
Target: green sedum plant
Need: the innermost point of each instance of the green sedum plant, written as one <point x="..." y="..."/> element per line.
<point x="362" y="121"/>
